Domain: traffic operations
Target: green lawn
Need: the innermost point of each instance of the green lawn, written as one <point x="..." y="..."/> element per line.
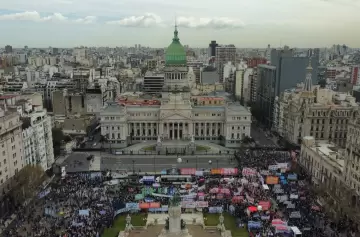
<point x="119" y="224"/>
<point x="230" y="224"/>
<point x="149" y="148"/>
<point x="202" y="148"/>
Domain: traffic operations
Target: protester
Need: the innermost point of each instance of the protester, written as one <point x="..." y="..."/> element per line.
<point x="263" y="194"/>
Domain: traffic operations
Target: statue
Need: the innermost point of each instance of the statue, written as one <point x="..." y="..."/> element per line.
<point x="128" y="225"/>
<point x="174" y="225"/>
<point x="221" y="226"/>
<point x="175" y="200"/>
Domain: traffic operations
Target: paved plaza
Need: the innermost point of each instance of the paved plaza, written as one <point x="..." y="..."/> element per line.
<point x="194" y="230"/>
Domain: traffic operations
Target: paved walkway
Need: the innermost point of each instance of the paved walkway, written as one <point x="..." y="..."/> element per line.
<point x="213" y="148"/>
<point x="187" y="217"/>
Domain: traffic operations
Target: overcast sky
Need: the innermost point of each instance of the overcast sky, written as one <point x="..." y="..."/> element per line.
<point x="245" y="23"/>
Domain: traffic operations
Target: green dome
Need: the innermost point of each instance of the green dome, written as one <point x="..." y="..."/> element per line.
<point x="175" y="53"/>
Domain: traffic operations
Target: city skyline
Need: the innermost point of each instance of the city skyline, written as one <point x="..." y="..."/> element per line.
<point x="66" y="23"/>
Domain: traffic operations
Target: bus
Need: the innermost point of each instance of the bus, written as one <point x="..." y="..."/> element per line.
<point x="175" y="178"/>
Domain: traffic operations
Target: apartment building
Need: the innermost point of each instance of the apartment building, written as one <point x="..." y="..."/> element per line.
<point x="223" y="55"/>
<point x="326" y="164"/>
<point x="11" y="145"/>
<point x="352" y="162"/>
<point x="37" y="137"/>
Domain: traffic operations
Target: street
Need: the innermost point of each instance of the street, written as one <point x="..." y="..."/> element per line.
<point x="260" y="136"/>
<point x="156" y="163"/>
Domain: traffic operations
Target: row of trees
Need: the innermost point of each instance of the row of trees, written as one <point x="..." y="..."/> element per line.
<point x="24" y="185"/>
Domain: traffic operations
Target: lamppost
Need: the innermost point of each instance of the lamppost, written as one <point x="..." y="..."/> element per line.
<point x="217" y="163"/>
<point x="133" y="161"/>
<point x="196" y="162"/>
<point x="210" y="163"/>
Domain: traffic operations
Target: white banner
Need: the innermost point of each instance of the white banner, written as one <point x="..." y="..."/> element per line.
<point x="63" y="172"/>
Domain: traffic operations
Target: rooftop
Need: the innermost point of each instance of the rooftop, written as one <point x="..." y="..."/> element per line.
<point x="212" y="108"/>
<point x="329" y="152"/>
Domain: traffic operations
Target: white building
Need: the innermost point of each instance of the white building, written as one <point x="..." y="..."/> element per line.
<point x="352" y="163"/>
<point x="323" y="160"/>
<point x="175" y="117"/>
<point x="37" y="137"/>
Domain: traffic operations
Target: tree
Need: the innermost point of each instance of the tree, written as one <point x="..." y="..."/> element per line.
<point x="26" y="181"/>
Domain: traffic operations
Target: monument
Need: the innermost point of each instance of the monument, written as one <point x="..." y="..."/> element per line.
<point x="175" y="226"/>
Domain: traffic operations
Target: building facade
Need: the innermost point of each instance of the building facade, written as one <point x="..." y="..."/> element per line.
<point x="352" y="162"/>
<point x="153" y="83"/>
<point x="176" y="117"/>
<point x="311" y="111"/>
<point x="37" y="139"/>
<point x="11" y="145"/>
<point x="223" y="55"/>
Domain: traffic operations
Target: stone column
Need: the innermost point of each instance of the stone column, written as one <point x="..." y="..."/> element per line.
<point x="205" y="129"/>
<point x="210" y="130"/>
<point x="173" y="130"/>
<point x="146" y="126"/>
<point x="178" y="130"/>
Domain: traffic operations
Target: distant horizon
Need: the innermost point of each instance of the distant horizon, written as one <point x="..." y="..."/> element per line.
<point x="144" y="46"/>
<point x="246" y="24"/>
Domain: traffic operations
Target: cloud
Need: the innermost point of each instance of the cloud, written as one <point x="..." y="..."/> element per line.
<point x="86" y="20"/>
<point x="146" y="20"/>
<point x="215" y="23"/>
<point x="36" y="17"/>
<point x="32" y="16"/>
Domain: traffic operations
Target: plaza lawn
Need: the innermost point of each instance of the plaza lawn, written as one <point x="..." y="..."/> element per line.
<point x="149" y="148"/>
<point x="120" y="221"/>
<point x="202" y="148"/>
<point x="230" y="224"/>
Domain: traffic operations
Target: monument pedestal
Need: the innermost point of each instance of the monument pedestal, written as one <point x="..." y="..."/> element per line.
<point x="175" y="224"/>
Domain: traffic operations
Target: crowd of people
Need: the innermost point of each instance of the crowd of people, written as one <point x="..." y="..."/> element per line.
<point x="75" y="206"/>
<point x="264" y="195"/>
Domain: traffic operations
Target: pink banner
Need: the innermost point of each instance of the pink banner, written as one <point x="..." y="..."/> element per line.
<point x="265" y="205"/>
<point x="248" y="172"/>
<point x="201" y="204"/>
<point x="230" y="171"/>
<point x="188" y="171"/>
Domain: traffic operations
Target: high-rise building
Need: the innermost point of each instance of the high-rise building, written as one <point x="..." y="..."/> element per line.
<point x="54" y="51"/>
<point x="265" y="93"/>
<point x="212" y="48"/>
<point x="223" y="55"/>
<point x="8" y="49"/>
<point x="81" y="78"/>
<point x="11" y="145"/>
<point x="290" y="69"/>
<point x="355" y="75"/>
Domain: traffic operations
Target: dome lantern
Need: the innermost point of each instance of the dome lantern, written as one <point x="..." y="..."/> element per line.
<point x="175" y="53"/>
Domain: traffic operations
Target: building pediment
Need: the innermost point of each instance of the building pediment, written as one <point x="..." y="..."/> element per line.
<point x="175" y="116"/>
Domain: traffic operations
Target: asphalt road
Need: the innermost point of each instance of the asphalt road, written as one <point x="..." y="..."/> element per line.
<point x="261" y="136"/>
<point x="156" y="164"/>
